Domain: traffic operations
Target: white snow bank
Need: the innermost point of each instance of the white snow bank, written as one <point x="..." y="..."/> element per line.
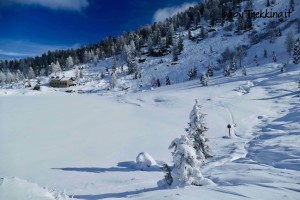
<point x="144" y="161"/>
<point x="18" y="189"/>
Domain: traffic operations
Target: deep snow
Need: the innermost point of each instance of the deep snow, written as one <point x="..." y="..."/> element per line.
<point x="86" y="144"/>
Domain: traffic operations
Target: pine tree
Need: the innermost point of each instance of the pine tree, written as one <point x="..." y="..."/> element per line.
<point x="69" y="62"/>
<point x="196" y="132"/>
<point x="175" y="53"/>
<point x="210" y="71"/>
<point x="192" y="73"/>
<point x="168" y="81"/>
<point x="226" y="71"/>
<point x="31" y="73"/>
<point x="297" y="51"/>
<point x="274" y="56"/>
<point x="186" y="169"/>
<point x="2" y="77"/>
<point x="289" y="41"/>
<point x="241" y="54"/>
<point x="233" y="64"/>
<point x="19" y="75"/>
<point x="202" y="33"/>
<point x="102" y="75"/>
<point x="170" y="34"/>
<point x="133" y="67"/>
<point x="157" y="82"/>
<point x="180" y="44"/>
<point x="10" y="77"/>
<point x="204" y="80"/>
<point x="54" y="68"/>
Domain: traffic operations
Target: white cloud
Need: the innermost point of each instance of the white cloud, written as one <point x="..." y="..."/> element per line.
<point x="15" y="54"/>
<point x="72" y="5"/>
<point x="164" y="13"/>
<point x="20" y="49"/>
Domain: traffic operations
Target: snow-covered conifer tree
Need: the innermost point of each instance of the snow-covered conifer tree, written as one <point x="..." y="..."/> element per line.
<point x="180" y="44"/>
<point x="175" y="53"/>
<point x="157" y="82"/>
<point x="297" y="51"/>
<point x="210" y="71"/>
<point x="169" y="36"/>
<point x="19" y="75"/>
<point x="204" y="80"/>
<point x="69" y="62"/>
<point x="196" y="132"/>
<point x="241" y="54"/>
<point x="186" y="169"/>
<point x="55" y="67"/>
<point x="226" y="71"/>
<point x="233" y="64"/>
<point x="2" y="77"/>
<point x="31" y="73"/>
<point x="168" y="81"/>
<point x="10" y="77"/>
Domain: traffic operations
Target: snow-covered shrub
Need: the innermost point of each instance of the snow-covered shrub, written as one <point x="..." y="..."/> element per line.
<point x="144" y="161"/>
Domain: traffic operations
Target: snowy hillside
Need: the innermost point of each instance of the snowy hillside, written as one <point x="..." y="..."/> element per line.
<point x="84" y="143"/>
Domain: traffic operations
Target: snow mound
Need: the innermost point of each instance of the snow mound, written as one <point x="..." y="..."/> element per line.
<point x="18" y="189"/>
<point x="245" y="88"/>
<point x="144" y="161"/>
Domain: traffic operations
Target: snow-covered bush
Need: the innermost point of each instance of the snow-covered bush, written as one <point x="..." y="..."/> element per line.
<point x="144" y="161"/>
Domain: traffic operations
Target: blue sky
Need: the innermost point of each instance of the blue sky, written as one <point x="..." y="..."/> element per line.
<point x="31" y="27"/>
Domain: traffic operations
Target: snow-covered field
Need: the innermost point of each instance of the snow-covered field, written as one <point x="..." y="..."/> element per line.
<point x="86" y="145"/>
<point x="54" y="143"/>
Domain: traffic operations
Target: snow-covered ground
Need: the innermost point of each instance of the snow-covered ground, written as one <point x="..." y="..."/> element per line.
<point x="85" y="145"/>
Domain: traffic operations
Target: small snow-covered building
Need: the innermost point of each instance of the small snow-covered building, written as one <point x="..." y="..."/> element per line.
<point x="61" y="82"/>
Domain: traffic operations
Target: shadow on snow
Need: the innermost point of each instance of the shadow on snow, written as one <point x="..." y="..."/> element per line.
<point x="115" y="195"/>
<point x="121" y="167"/>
